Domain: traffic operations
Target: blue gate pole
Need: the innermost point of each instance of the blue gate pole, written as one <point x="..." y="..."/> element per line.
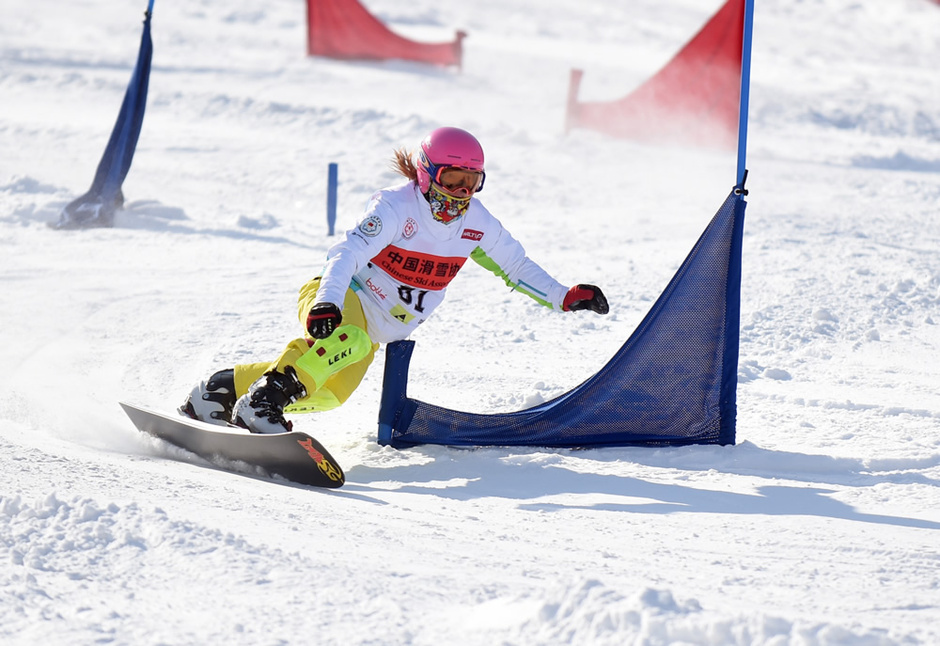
<point x="331" y="182"/>
<point x="745" y="91"/>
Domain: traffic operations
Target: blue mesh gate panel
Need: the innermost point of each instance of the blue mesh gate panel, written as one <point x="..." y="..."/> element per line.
<point x="673" y="382"/>
<point x="97" y="206"/>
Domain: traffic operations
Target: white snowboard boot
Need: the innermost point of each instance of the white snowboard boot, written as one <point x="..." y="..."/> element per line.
<point x="212" y="400"/>
<point x="261" y="409"/>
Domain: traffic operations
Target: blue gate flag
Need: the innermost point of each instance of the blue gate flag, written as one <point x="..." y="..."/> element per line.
<point x="96" y="207"/>
<point x="673" y="382"/>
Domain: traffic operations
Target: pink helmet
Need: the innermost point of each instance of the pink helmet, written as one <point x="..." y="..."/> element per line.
<point x="448" y="148"/>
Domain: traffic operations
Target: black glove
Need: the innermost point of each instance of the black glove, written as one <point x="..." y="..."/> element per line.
<point x="323" y="319"/>
<point x="585" y="297"/>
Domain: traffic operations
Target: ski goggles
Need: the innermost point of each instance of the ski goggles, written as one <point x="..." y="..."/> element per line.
<point x="456" y="181"/>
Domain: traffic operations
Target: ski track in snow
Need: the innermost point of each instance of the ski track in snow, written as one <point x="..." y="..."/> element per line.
<point x="819" y="527"/>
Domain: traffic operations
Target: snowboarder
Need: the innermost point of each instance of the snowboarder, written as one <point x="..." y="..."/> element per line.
<point x="379" y="283"/>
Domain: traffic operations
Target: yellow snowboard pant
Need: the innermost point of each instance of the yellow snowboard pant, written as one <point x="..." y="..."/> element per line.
<point x="339" y="386"/>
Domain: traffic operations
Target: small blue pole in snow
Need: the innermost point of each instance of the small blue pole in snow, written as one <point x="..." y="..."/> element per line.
<point x="745" y="90"/>
<point x="331" y="182"/>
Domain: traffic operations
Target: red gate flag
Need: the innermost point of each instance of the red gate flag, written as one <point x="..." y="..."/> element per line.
<point x="345" y="29"/>
<point x="693" y="99"/>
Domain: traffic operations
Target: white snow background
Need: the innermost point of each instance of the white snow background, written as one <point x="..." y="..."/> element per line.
<point x="820" y="526"/>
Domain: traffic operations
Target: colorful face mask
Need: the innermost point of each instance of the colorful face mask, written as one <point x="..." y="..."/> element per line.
<point x="444" y="207"/>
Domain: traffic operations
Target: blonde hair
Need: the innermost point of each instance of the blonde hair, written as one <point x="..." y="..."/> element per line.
<point x="404" y="164"/>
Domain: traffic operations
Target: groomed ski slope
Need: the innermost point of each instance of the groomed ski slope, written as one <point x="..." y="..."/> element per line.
<point x="819" y="527"/>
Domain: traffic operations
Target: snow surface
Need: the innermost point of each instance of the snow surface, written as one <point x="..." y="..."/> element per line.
<point x="820" y="526"/>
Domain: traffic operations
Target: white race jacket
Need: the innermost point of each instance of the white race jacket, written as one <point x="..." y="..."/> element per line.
<point x="399" y="260"/>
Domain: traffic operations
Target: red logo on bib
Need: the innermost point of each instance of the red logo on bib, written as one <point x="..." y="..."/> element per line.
<point x="422" y="270"/>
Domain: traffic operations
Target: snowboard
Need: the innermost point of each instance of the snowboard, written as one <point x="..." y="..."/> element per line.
<point x="294" y="456"/>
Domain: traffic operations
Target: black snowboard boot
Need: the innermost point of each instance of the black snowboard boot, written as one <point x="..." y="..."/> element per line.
<point x="212" y="400"/>
<point x="261" y="409"/>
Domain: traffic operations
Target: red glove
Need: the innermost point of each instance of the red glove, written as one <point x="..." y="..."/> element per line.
<point x="323" y="319"/>
<point x="585" y="297"/>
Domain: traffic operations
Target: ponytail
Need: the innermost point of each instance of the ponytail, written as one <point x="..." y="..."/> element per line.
<point x="404" y="164"/>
